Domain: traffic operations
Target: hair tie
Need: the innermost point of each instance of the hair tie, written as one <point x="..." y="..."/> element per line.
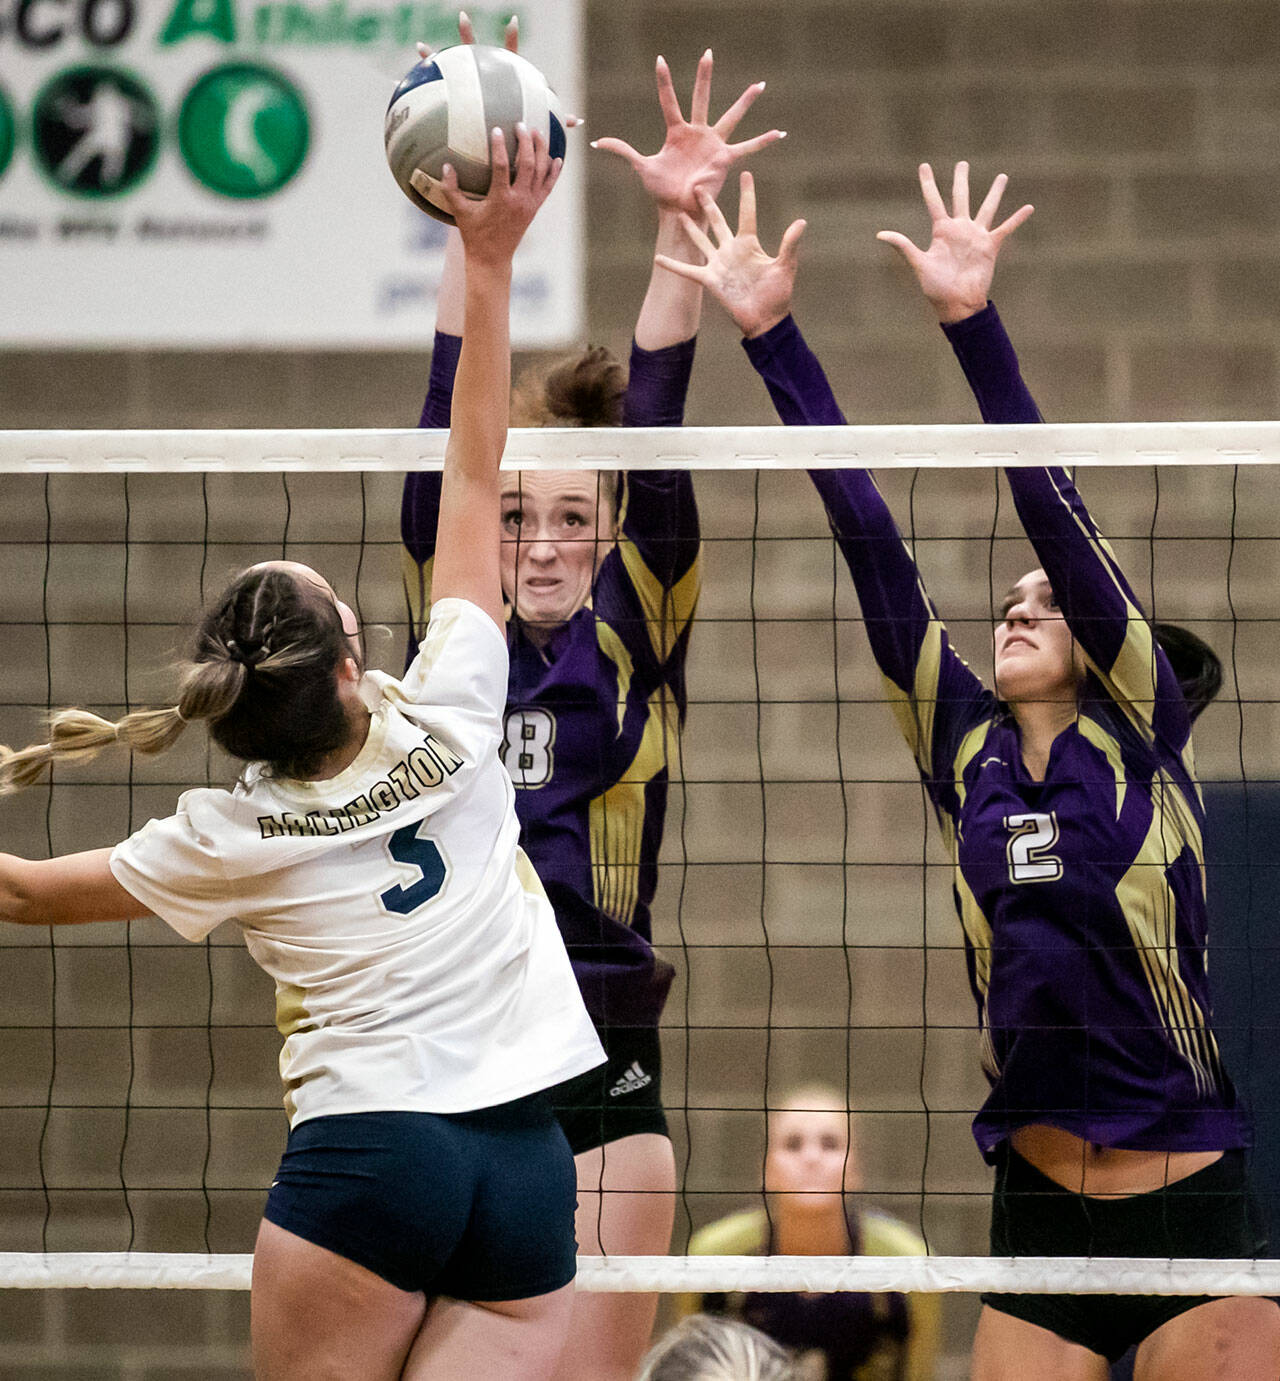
<point x="247" y="659"/>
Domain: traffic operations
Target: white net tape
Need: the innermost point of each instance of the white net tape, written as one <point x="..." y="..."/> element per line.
<point x="660" y="448"/>
<point x="712" y="1274"/>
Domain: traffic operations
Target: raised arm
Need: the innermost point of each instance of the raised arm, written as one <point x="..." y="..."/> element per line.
<point x="934" y="695"/>
<point x="466" y="559"/>
<point x="955" y="273"/>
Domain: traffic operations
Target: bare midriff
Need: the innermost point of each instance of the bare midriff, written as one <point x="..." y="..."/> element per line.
<point x="1104" y="1172"/>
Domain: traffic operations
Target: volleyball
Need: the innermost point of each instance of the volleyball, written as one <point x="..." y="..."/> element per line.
<point x="443" y="112"/>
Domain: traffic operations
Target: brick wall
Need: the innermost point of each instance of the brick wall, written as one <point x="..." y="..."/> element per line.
<point x="1144" y="287"/>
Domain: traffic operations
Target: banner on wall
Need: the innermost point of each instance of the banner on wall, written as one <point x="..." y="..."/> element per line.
<point x="210" y="173"/>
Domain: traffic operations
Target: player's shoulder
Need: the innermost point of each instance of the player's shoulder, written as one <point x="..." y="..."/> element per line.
<point x="739" y="1234"/>
<point x="885" y="1235"/>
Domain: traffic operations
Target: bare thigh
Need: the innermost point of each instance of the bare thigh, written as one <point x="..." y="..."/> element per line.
<point x="510" y="1340"/>
<point x="1009" y="1349"/>
<point x="1225" y="1340"/>
<point x="315" y="1316"/>
<point x="626" y="1207"/>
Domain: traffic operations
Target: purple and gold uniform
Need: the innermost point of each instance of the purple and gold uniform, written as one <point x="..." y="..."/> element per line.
<point x="1081" y="896"/>
<point x="592" y="716"/>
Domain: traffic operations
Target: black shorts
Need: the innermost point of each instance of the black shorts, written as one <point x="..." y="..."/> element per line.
<point x="1209" y="1214"/>
<point x="622" y="1097"/>
<point x="476" y="1205"/>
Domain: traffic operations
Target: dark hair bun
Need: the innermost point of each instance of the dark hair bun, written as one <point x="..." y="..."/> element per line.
<point x="584" y="391"/>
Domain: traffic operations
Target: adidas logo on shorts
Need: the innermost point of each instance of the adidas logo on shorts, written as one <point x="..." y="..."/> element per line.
<point x="633" y="1079"/>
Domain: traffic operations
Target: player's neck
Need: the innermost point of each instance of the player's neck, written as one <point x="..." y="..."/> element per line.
<point x="1039" y="724"/>
<point x="824" y="1232"/>
<point x="341" y="758"/>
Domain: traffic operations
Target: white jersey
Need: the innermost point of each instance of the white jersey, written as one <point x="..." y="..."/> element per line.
<point x="416" y="958"/>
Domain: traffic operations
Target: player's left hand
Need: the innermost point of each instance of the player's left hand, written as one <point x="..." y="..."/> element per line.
<point x="753" y="286"/>
<point x="955" y="272"/>
<point x="492" y="226"/>
<point x="695" y="155"/>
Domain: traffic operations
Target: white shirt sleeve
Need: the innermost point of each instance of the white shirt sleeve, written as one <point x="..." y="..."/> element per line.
<point x="462" y="662"/>
<point x="175" y="872"/>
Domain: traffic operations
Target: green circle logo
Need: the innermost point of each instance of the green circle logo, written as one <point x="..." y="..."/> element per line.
<point x="243" y="130"/>
<point x="95" y="131"/>
<point x="8" y="131"/>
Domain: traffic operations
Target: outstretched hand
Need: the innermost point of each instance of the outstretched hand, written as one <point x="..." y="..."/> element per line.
<point x="493" y="225"/>
<point x="754" y="287"/>
<point x="695" y="155"/>
<point x="955" y="272"/>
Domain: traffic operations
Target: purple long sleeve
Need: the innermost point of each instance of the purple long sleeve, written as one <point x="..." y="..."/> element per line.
<point x="990" y="365"/>
<point x="937" y="694"/>
<point x="420" y="505"/>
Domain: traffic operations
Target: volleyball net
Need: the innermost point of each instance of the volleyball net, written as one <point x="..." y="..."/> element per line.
<point x="803" y="897"/>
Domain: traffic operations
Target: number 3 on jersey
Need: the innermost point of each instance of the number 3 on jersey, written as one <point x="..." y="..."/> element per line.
<point x="528" y="737"/>
<point x="407" y="846"/>
<point x="1033" y="834"/>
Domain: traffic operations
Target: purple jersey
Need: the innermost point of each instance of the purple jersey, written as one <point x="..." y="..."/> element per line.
<point x="1081" y="896"/>
<point x="593" y="715"/>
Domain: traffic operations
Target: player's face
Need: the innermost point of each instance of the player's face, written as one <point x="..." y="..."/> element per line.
<point x="557" y="526"/>
<point x="1036" y="656"/>
<point x="350" y="624"/>
<point x="810" y="1157"/>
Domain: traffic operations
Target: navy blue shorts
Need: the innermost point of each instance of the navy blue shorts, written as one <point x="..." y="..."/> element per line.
<point x="1209" y="1214"/>
<point x="475" y="1205"/>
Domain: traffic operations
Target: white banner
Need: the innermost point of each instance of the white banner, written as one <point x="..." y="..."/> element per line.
<point x="210" y="173"/>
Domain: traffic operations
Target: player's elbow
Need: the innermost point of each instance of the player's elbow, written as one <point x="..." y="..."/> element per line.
<point x="18" y="902"/>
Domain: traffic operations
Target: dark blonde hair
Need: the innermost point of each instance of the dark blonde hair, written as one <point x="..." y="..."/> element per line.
<point x="585" y="390"/>
<point x="262" y="674"/>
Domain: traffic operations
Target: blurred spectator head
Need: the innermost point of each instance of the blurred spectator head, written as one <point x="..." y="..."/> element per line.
<point x="811" y="1152"/>
<point x="707" y="1348"/>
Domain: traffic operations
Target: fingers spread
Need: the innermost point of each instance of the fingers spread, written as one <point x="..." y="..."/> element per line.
<point x="696" y="272"/>
<point x="746" y="205"/>
<point x="696" y="233"/>
<point x="715" y="217"/>
<point x="788" y="251"/>
<point x="937" y="208"/>
<point x="1014" y="221"/>
<point x="960" y="190"/>
<point x="619" y="146"/>
<point x="991" y="202"/>
<point x="726" y="124"/>
<point x="511" y="34"/>
<point x="761" y="141"/>
<point x="905" y="247"/>
<point x="667" y="94"/>
<point x="700" y="106"/>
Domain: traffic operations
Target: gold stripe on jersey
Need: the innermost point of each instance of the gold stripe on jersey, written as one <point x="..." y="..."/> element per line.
<point x="667" y="612"/>
<point x="915" y="710"/>
<point x="616" y="650"/>
<point x="616" y="818"/>
<point x="1150" y="911"/>
<point x="417" y="591"/>
<point x="1131" y="677"/>
<point x="1108" y="745"/>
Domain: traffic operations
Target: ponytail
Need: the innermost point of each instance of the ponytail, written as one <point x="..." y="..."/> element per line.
<point x="261" y="676"/>
<point x="1194" y="663"/>
<point x="79" y="736"/>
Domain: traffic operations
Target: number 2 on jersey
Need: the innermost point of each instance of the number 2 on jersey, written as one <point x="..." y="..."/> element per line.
<point x="1033" y="834"/>
<point x="528" y="736"/>
<point x="407" y="846"/>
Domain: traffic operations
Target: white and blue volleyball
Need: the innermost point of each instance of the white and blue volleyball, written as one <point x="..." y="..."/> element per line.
<point x="443" y="110"/>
